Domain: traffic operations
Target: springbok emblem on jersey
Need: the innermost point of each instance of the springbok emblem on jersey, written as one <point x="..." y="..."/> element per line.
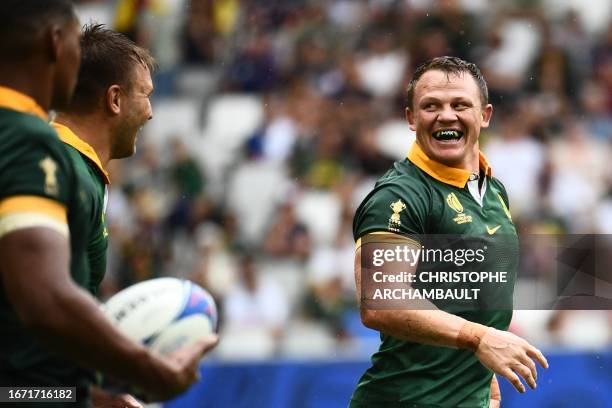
<point x="49" y="167"/>
<point x="453" y="202"/>
<point x="394" y="221"/>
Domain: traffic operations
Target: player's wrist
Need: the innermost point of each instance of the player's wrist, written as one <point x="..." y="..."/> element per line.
<point x="470" y="336"/>
<point x="152" y="370"/>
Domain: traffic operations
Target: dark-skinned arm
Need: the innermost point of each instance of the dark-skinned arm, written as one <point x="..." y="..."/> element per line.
<point x="68" y="320"/>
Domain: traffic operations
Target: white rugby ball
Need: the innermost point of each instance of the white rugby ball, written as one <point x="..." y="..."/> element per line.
<point x="165" y="314"/>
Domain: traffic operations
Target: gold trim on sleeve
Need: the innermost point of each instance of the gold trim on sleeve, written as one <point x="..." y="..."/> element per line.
<point x="35" y="205"/>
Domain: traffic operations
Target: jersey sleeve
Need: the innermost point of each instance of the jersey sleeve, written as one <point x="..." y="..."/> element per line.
<point x="393" y="208"/>
<point x="35" y="182"/>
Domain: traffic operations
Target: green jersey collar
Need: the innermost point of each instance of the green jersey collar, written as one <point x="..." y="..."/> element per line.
<point x="449" y="175"/>
<point x="67" y="136"/>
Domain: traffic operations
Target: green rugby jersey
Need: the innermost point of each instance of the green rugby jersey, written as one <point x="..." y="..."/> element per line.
<point x="420" y="197"/>
<point x="38" y="187"/>
<point x="94" y="180"/>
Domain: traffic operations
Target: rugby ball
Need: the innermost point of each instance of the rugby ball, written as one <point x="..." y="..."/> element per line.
<point x="165" y="314"/>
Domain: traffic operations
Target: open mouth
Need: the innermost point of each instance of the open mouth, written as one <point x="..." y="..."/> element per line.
<point x="447" y="134"/>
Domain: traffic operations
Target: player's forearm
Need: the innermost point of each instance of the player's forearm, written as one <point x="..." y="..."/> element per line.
<point x="70" y="322"/>
<point x="433" y="327"/>
<point x="36" y="280"/>
<point x="420" y="321"/>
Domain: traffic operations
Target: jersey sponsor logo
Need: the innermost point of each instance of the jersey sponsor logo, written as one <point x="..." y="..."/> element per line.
<point x="453" y="202"/>
<point x="493" y="230"/>
<point x="49" y="167"/>
<point x="503" y="204"/>
<point x="394" y="221"/>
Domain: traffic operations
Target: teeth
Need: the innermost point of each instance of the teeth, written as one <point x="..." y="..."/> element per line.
<point x="447" y="134"/>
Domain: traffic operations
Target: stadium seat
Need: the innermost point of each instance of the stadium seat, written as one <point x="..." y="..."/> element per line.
<point x="304" y="339"/>
<point x="174" y="117"/>
<point x="320" y="211"/>
<point x="394" y="139"/>
<point x="255" y="188"/>
<point x="241" y="343"/>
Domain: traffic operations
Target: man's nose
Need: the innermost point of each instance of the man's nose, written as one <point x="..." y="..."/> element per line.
<point x="447" y="114"/>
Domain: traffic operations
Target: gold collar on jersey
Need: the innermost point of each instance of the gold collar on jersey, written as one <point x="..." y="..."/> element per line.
<point x="449" y="175"/>
<point x="20" y="102"/>
<point x="67" y="136"/>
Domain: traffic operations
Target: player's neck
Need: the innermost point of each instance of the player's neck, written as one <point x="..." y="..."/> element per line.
<point x="472" y="160"/>
<point x="92" y="130"/>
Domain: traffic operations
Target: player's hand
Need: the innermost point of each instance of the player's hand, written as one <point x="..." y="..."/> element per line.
<point x="494" y="404"/>
<point x="508" y="355"/>
<point x="180" y="370"/>
<point x="102" y="399"/>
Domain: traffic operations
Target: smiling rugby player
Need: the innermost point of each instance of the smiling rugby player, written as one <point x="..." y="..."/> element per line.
<point x="433" y="358"/>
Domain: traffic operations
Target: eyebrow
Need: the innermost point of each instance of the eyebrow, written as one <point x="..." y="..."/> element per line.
<point x="452" y="99"/>
<point x="429" y="99"/>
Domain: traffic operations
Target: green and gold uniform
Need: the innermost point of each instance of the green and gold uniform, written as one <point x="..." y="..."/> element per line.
<point x="38" y="188"/>
<point x="420" y="197"/>
<point x="94" y="180"/>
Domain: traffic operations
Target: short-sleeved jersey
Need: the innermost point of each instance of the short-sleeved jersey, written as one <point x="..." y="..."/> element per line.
<point x="38" y="187"/>
<point x="94" y="180"/>
<point x="415" y="198"/>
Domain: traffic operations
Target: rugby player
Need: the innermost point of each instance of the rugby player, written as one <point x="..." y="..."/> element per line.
<point x="108" y="60"/>
<point x="433" y="358"/>
<point x="109" y="106"/>
<point x="52" y="333"/>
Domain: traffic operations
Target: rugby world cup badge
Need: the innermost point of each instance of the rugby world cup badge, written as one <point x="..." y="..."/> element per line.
<point x="454" y="203"/>
<point x="394" y="221"/>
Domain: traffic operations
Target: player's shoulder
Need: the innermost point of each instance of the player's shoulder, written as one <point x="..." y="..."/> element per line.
<point x="21" y="125"/>
<point x="27" y="142"/>
<point x="75" y="157"/>
<point x="20" y="132"/>
<point x="403" y="182"/>
<point x="404" y="177"/>
<point x="496" y="184"/>
<point x="400" y="202"/>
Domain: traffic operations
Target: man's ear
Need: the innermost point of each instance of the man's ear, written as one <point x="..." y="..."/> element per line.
<point x="487" y="112"/>
<point x="411" y="120"/>
<point x="113" y="99"/>
<point x="53" y="42"/>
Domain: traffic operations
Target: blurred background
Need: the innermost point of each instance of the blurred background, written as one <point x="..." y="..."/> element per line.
<point x="272" y="121"/>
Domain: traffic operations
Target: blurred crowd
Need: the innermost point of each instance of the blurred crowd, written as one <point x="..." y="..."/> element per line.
<point x="273" y="119"/>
